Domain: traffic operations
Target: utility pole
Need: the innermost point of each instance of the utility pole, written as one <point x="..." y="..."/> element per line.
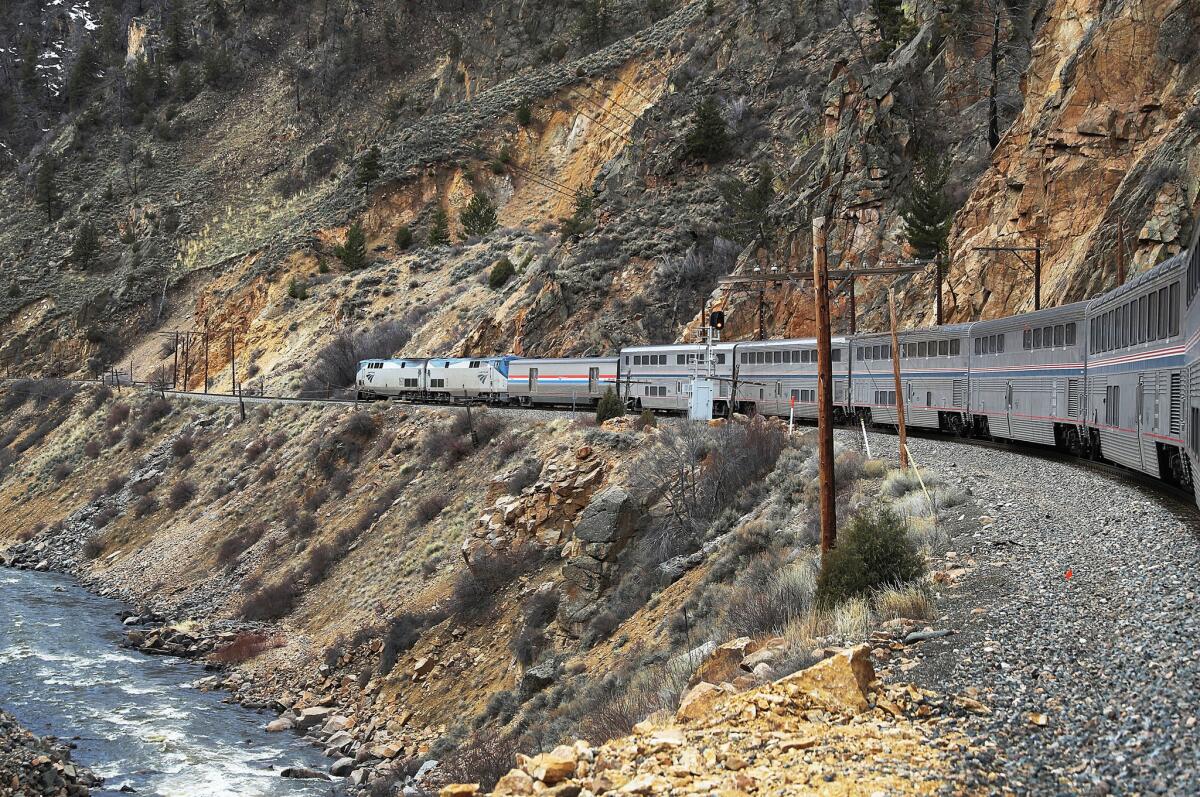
<point x="824" y="389"/>
<point x="175" y="367"/>
<point x="206" y="358"/>
<point x="232" y="367"/>
<point x="899" y="386"/>
<point x="1035" y="267"/>
<point x="940" y="276"/>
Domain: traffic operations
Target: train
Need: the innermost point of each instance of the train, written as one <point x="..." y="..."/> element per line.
<point x="1116" y="377"/>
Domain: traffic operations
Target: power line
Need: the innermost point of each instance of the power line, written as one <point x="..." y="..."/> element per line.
<point x="633" y="117"/>
<point x="616" y="133"/>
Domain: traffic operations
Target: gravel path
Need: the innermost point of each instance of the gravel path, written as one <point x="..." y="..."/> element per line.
<point x="1108" y="659"/>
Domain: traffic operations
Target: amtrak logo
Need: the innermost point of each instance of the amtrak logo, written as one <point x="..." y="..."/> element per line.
<point x="370" y="377"/>
<point x="482" y="377"/>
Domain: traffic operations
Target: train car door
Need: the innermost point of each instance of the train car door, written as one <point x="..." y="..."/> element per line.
<point x="1008" y="407"/>
<point x="533" y="381"/>
<point x="593" y="380"/>
<point x="1140" y="409"/>
<point x="1054" y="398"/>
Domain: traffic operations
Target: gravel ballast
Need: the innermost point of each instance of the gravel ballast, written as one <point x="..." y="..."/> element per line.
<point x="1077" y="626"/>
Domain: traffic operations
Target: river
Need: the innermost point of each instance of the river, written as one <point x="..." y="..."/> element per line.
<point x="141" y="723"/>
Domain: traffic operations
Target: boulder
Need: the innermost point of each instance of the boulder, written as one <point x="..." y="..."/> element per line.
<point x="608" y="517"/>
<point x="338" y="743"/>
<point x="281" y="724"/>
<point x="550" y="768"/>
<point x="303" y="773"/>
<point x="698" y="700"/>
<point x="724" y="663"/>
<point x="342" y="767"/>
<point x="312" y="717"/>
<point x="537" y="678"/>
<point x="840" y="682"/>
<point x="459" y="790"/>
<point x="517" y="783"/>
<point x="768" y="652"/>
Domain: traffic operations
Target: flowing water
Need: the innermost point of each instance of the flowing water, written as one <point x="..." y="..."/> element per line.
<point x="141" y="723"/>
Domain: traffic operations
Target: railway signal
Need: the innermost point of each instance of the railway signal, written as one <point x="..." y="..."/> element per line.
<point x="716" y="319"/>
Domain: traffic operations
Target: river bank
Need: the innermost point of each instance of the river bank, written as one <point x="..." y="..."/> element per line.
<point x="33" y="765"/>
<point x="138" y="722"/>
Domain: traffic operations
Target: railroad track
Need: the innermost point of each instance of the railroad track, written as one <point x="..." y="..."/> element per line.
<point x="1183" y="498"/>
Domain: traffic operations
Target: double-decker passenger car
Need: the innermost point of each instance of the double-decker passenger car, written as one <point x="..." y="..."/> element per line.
<point x="772" y="376"/>
<point x="563" y="381"/>
<point x="1135" y="371"/>
<point x="934" y="372"/>
<point x="1191" y="356"/>
<point x="660" y="377"/>
<point x="1027" y="376"/>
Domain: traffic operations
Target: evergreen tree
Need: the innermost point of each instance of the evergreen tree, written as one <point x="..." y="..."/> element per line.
<point x="139" y="87"/>
<point x="708" y="140"/>
<point x="439" y="229"/>
<point x="86" y="246"/>
<point x="889" y="18"/>
<point x="185" y="82"/>
<point x="45" y="191"/>
<point x="926" y="211"/>
<point x="478" y="217"/>
<point x="404" y="237"/>
<point x="218" y="68"/>
<point x="353" y="253"/>
<point x="593" y="22"/>
<point x="749" y="204"/>
<point x="27" y="72"/>
<point x="581" y="219"/>
<point x="83" y="75"/>
<point x="218" y="14"/>
<point x="367" y="171"/>
<point x="609" y="406"/>
<point x="524" y="114"/>
<point x="177" y="43"/>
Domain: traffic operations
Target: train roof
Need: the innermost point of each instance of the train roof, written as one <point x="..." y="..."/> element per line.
<point x="1046" y="315"/>
<point x="606" y="358"/>
<point x="1164" y="270"/>
<point x="675" y="347"/>
<point x="949" y="330"/>
<point x="790" y="343"/>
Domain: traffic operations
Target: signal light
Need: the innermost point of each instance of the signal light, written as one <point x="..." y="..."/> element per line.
<point x="716" y="319"/>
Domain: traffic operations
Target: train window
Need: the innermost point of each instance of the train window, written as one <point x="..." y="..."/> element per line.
<point x="410" y="382"/>
<point x="1164" y="312"/>
<point x="1027" y="339"/>
<point x="1037" y="338"/>
<point x="1069" y="336"/>
<point x="1135" y="322"/>
<point x="991" y="344"/>
<point x="679" y="359"/>
<point x="835" y="355"/>
<point x="742" y="359"/>
<point x="1152" y="318"/>
<point x="474" y="364"/>
<point x="955" y="347"/>
<point x="437" y="382"/>
<point x="777" y="357"/>
<point x="637" y="359"/>
<point x="1173" y="304"/>
<point x="1060" y="335"/>
<point x="943" y="348"/>
<point x="922" y="348"/>
<point x="787" y="356"/>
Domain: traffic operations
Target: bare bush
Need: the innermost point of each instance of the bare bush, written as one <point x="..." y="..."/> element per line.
<point x="61" y="471"/>
<point x="525" y="475"/>
<point x="117" y="414"/>
<point x="182" y="446"/>
<point x="427" y="509"/>
<point x="335" y="365"/>
<point x="91" y="449"/>
<point x="483" y="758"/>
<point x="244" y="647"/>
<point x="403" y="632"/>
<point x="270" y="601"/>
<point x="476" y="589"/>
<point x="182" y="492"/>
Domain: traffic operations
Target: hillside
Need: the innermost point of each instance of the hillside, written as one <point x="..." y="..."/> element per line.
<point x="218" y="155"/>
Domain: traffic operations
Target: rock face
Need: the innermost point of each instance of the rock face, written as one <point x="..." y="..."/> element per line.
<point x="602" y="531"/>
<point x="841" y="682"/>
<point x="1102" y="165"/>
<point x="33" y="767"/>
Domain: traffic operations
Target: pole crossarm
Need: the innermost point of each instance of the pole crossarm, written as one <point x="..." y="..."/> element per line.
<point x="1016" y="250"/>
<point x="834" y="274"/>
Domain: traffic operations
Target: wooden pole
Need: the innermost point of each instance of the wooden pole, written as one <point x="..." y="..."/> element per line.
<point x="938" y="265"/>
<point x="232" y="368"/>
<point x="899" y="386"/>
<point x="206" y="359"/>
<point x="175" y="367"/>
<point x="824" y="389"/>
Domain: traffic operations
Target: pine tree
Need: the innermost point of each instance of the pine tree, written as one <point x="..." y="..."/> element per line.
<point x="478" y="217"/>
<point x="353" y="253"/>
<point x="83" y="75"/>
<point x="177" y="44"/>
<point x="27" y="72"/>
<point x="708" y="140"/>
<point x="45" y="191"/>
<point x="218" y="14"/>
<point x="86" y="246"/>
<point x="926" y="211"/>
<point x="593" y="22"/>
<point x="749" y="203"/>
<point x="580" y="220"/>
<point x="368" y="168"/>
<point x="140" y="88"/>
<point x="609" y="406"/>
<point x="439" y="229"/>
<point x="404" y="237"/>
<point x="889" y="18"/>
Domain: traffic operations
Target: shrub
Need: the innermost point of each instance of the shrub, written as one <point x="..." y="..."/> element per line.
<point x="271" y="601"/>
<point x="60" y="471"/>
<point x="708" y="140"/>
<point x="111" y="486"/>
<point x="359" y="424"/>
<point x="142" y="487"/>
<point x="910" y="601"/>
<point x="609" y="406"/>
<point x="483" y="758"/>
<point x="92" y="548"/>
<point x="134" y="438"/>
<point x="144" y="506"/>
<point x="117" y="414"/>
<point x="540" y="608"/>
<point x="321" y="559"/>
<point x="475" y="592"/>
<point x="501" y="273"/>
<point x="874" y="552"/>
<point x="404" y="237"/>
<point x="232" y="546"/>
<point x="244" y="647"/>
<point x="353" y="251"/>
<point x="524" y="114"/>
<point x="335" y="365"/>
<point x="182" y="446"/>
<point x="403" y="632"/>
<point x="91" y="449"/>
<point x="645" y="421"/>
<point x="182" y="492"/>
<point x="525" y="475"/>
<point x="155" y="411"/>
<point x="525" y="644"/>
<point x="427" y="509"/>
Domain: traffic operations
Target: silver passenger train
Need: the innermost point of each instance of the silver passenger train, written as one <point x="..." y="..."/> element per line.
<point x="1116" y="377"/>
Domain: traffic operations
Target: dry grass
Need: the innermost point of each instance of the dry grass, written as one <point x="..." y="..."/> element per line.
<point x="851" y="619"/>
<point x="245" y="647"/>
<point x="909" y="601"/>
